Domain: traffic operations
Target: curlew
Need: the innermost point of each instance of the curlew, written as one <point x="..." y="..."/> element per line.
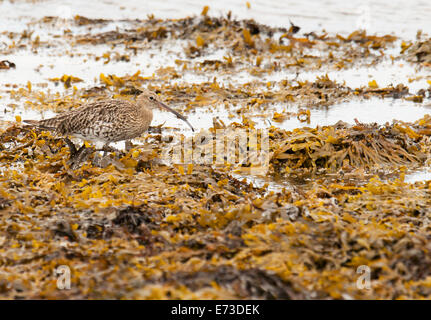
<point x="106" y="121"/>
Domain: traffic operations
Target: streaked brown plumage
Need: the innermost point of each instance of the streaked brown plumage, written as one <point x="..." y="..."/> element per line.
<point x="107" y="121"/>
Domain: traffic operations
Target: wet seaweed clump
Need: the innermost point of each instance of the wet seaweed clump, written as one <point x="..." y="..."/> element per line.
<point x="420" y="52"/>
<point x="346" y="147"/>
<point x="6" y="64"/>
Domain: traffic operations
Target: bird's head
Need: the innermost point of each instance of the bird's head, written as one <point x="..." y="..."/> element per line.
<point x="150" y="100"/>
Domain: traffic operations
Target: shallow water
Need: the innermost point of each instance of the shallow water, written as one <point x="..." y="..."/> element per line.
<point x="374" y="110"/>
<point x="399" y="17"/>
<point x="423" y="174"/>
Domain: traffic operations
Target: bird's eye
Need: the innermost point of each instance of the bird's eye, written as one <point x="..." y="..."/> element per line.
<point x="151" y="98"/>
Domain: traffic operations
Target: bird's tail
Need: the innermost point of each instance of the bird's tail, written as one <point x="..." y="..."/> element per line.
<point x="48" y="124"/>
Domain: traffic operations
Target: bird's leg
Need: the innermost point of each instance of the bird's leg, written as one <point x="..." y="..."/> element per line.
<point x="128" y="145"/>
<point x="81" y="156"/>
<point x="73" y="152"/>
<point x="77" y="156"/>
<point x="106" y="148"/>
<point x="72" y="147"/>
<point x="82" y="149"/>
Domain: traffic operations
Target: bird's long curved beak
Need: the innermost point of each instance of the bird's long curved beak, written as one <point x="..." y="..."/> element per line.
<point x="180" y="116"/>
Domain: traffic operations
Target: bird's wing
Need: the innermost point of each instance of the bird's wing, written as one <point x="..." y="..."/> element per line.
<point x="88" y="117"/>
